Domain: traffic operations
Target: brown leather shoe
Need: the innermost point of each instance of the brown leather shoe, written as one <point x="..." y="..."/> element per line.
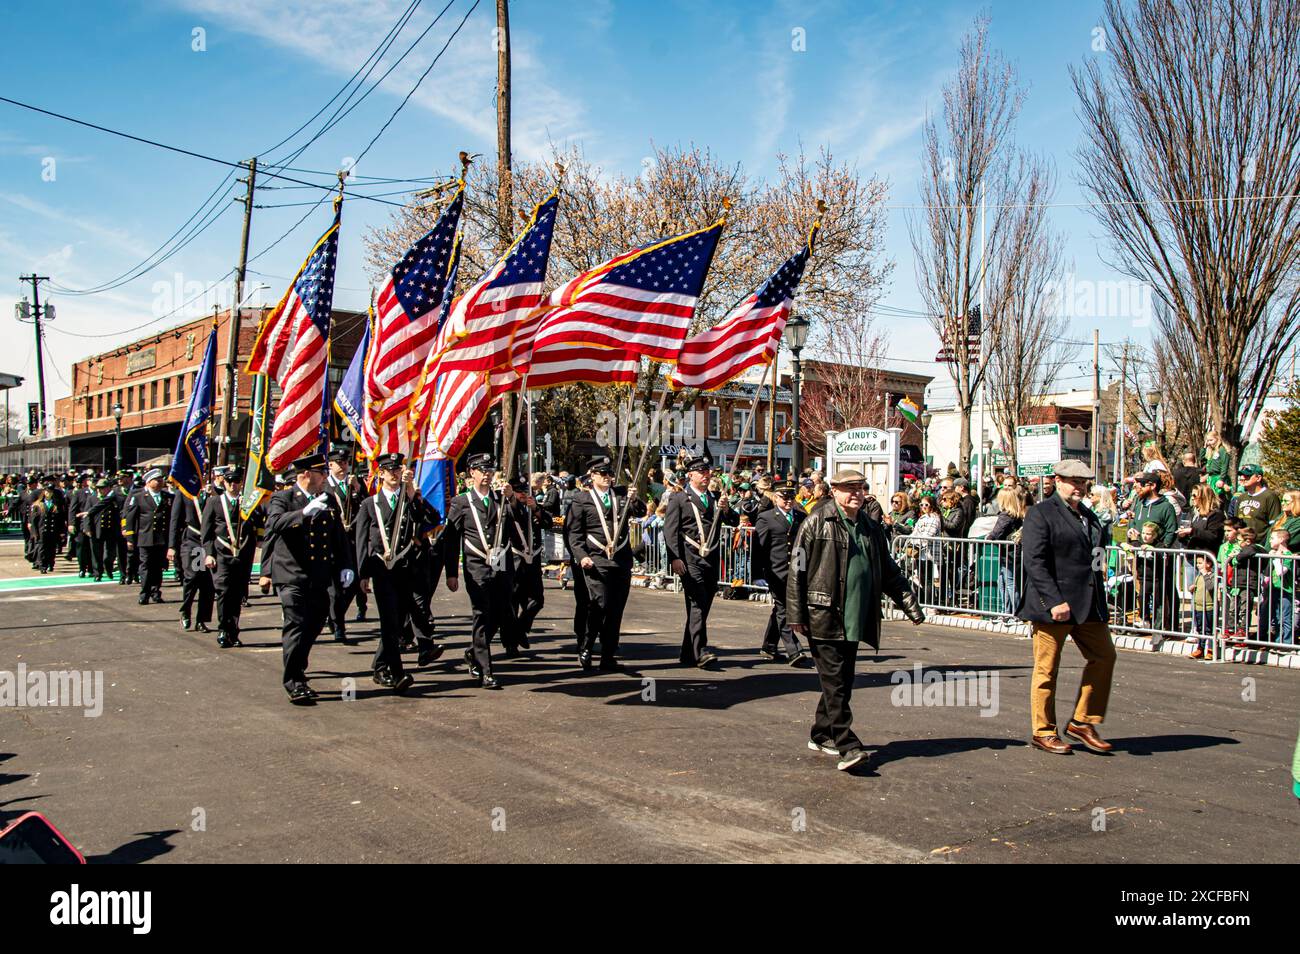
<point x="1088" y="736"/>
<point x="1050" y="743"/>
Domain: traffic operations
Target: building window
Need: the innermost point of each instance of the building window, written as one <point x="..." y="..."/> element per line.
<point x="90" y="408"/>
<point x="780" y="422"/>
<point x="167" y="391"/>
<point x="140" y="398"/>
<point x="153" y="394"/>
<point x="180" y="387"/>
<point x="738" y="421"/>
<point x="714" y="422"/>
<point x="688" y="422"/>
<point x="130" y="400"/>
<point x="100" y="403"/>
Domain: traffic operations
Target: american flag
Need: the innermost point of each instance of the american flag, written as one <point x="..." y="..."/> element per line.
<point x="641" y="301"/>
<point x="974" y="332"/>
<point x="292" y="347"/>
<point x="460" y="403"/>
<point x="406" y="317"/>
<point x="483" y="320"/>
<point x="416" y="416"/>
<point x="746" y="337"/>
<point x="561" y="364"/>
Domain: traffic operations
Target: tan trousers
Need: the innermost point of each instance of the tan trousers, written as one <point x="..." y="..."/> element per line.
<point x="1094" y="642"/>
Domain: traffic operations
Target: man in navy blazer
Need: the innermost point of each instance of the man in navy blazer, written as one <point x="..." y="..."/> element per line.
<point x="1064" y="596"/>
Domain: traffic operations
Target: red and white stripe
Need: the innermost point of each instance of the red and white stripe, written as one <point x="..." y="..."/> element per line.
<point x="400" y="349"/>
<point x="569" y="364"/>
<point x="292" y="351"/>
<point x="619" y="316"/>
<point x="484" y="319"/>
<point x="459" y="408"/>
<point x="747" y="337"/>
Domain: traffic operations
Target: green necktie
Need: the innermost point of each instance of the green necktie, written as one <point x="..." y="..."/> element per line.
<point x="604" y="501"/>
<point x="156" y="499"/>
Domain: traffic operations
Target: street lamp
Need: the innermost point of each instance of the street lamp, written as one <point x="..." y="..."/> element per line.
<point x="926" y="418"/>
<point x="1153" y="402"/>
<point x="117" y="426"/>
<point x="795" y="336"/>
<point x="986" y="462"/>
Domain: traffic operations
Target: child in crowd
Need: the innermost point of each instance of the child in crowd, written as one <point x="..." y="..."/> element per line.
<point x="1203" y="590"/>
<point x="1244" y="578"/>
<point x="1277" y="609"/>
<point x="1149" y="571"/>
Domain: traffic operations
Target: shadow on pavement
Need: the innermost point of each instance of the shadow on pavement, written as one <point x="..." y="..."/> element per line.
<point x="1151" y="744"/>
<point x="147" y="846"/>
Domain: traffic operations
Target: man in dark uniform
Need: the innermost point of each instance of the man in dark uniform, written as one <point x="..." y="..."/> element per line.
<point x="426" y="567"/>
<point x="310" y="549"/>
<point x="526" y="521"/>
<point x="774" y="532"/>
<point x="580" y="597"/>
<point x="475" y="533"/>
<point x="78" y="533"/>
<point x="145" y="526"/>
<point x="104" y="523"/>
<point x="691" y="531"/>
<point x="596" y="534"/>
<point x="228" y="544"/>
<point x="349" y="495"/>
<point x="185" y="551"/>
<point x="128" y="558"/>
<point x="387" y="535"/>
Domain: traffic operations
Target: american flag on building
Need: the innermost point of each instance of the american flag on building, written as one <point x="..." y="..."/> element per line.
<point x="292" y="348"/>
<point x="406" y="313"/>
<point x="748" y="336"/>
<point x="641" y="301"/>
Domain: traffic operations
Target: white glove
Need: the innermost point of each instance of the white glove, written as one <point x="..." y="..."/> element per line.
<point x="346" y="577"/>
<point x="318" y="503"/>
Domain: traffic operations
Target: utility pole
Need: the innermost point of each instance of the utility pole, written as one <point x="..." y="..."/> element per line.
<point x="40" y="354"/>
<point x="228" y="406"/>
<point x="1096" y="396"/>
<point x="504" y="175"/>
<point x="1119" y="430"/>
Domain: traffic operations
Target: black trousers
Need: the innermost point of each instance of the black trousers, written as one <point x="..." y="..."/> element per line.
<point x="47" y="545"/>
<point x="153" y="561"/>
<point x="489" y="597"/>
<point x="230" y="583"/>
<point x="341" y="598"/>
<point x="607" y="589"/>
<point x="529" y="594"/>
<point x="29" y="544"/>
<point x="836" y="661"/>
<point x="128" y="561"/>
<point x="103" y="556"/>
<point x="304" y="606"/>
<point x="425" y="571"/>
<point x="699" y="586"/>
<point x="394" y="596"/>
<point x="777" y="627"/>
<point x="580" y="599"/>
<point x="85" y="556"/>
<point x="196" y="582"/>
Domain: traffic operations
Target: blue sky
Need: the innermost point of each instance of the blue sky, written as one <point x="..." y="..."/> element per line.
<point x="612" y="77"/>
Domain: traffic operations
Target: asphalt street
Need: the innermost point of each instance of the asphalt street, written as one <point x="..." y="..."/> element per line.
<point x="198" y="756"/>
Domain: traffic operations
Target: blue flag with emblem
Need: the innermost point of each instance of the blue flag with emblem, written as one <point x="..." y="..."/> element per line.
<point x="190" y="460"/>
<point x="350" y="399"/>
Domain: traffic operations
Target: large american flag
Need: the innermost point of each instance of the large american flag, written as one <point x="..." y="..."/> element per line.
<point x="416" y="415"/>
<point x="641" y="301"/>
<point x="460" y="403"/>
<point x="556" y="365"/>
<point x="406" y="314"/>
<point x="748" y="336"/>
<point x="292" y="348"/>
<point x="483" y="320"/>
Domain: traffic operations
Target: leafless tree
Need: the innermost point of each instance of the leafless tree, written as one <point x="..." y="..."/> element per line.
<point x="1182" y="382"/>
<point x="968" y="156"/>
<point x="1192" y="153"/>
<point x="1029" y="350"/>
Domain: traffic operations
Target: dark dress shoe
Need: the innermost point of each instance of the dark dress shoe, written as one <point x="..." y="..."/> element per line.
<point x="403" y="682"/>
<point x="523" y="643"/>
<point x="185" y="623"/>
<point x="473" y="664"/>
<point x="1050" y="743"/>
<point x="708" y="659"/>
<point x="584" y="660"/>
<point x="428" y="654"/>
<point x="489" y="682"/>
<point x="99" y="579"/>
<point x="512" y="652"/>
<point x="798" y="661"/>
<point x="158" y="598"/>
<point x="610" y="665"/>
<point x="769" y="654"/>
<point x="310" y="691"/>
<point x="341" y="636"/>
<point x="382" y="677"/>
<point x="202" y="627"/>
<point x="300" y="696"/>
<point x="1088" y="736"/>
<point x="360" y="617"/>
<point x="224" y="641"/>
<point x="143" y="601"/>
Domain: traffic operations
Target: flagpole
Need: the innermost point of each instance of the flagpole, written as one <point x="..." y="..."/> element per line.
<point x="645" y="456"/>
<point x="744" y="429"/>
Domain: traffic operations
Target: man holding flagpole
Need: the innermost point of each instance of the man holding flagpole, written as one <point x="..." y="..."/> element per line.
<point x="229" y="541"/>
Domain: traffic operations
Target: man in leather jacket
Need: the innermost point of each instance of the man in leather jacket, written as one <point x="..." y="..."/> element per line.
<point x="839" y="568"/>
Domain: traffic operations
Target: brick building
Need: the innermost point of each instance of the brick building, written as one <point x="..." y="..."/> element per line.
<point x="152" y="378"/>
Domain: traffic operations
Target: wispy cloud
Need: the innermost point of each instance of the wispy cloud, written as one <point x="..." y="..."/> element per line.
<point x="117" y="238"/>
<point x="336" y="36"/>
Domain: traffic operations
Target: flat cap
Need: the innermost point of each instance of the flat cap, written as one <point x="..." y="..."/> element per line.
<point x="392" y="461"/>
<point x="600" y="465"/>
<point x="847" y="475"/>
<point x="154" y="474"/>
<point x="483" y="462"/>
<point x="1077" y="470"/>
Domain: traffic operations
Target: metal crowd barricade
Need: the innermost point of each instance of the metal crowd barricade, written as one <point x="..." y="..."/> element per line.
<point x="1258" y="605"/>
<point x="650" y="564"/>
<point x="957" y="575"/>
<point x="1164" y="593"/>
<point x="737" y="566"/>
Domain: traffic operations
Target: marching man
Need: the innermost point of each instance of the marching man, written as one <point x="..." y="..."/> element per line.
<point x="229" y="542"/>
<point x="597" y="536"/>
<point x="691" y="539"/>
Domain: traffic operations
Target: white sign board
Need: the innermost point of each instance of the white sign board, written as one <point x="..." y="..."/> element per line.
<point x="1037" y="445"/>
<point x="870" y="450"/>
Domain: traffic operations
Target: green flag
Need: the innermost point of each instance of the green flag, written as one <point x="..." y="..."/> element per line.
<point x="258" y="480"/>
